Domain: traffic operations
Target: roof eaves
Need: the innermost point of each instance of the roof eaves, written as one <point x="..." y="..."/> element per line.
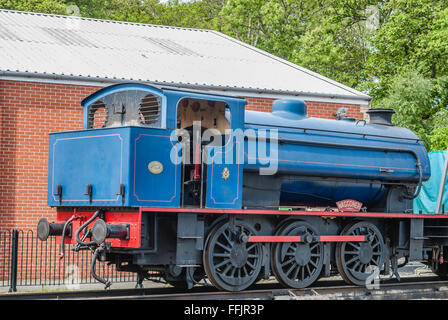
<point x="197" y="86"/>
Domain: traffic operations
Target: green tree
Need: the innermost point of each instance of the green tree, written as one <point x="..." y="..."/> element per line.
<point x="439" y="135"/>
<point x="45" y="6"/>
<point x="337" y="43"/>
<point x="144" y="11"/>
<point x="411" y="95"/>
<point x="413" y="35"/>
<point x="194" y="14"/>
<point x="330" y="37"/>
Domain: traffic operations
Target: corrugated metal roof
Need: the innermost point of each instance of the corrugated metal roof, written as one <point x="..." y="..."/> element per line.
<point x="72" y="46"/>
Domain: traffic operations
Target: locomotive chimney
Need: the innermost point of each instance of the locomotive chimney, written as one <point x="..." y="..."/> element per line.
<point x="381" y="116"/>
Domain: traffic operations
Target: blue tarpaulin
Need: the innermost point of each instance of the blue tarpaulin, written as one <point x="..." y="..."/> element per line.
<point x="427" y="199"/>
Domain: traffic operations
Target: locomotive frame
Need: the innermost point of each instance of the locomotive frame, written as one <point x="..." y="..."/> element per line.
<point x="202" y="222"/>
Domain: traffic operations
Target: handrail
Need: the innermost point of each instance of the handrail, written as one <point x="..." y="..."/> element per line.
<point x="332" y="131"/>
<point x="442" y="184"/>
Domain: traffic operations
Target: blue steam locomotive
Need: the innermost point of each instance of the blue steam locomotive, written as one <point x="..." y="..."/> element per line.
<point x="189" y="186"/>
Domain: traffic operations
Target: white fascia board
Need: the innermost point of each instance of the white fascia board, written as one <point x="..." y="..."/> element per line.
<point x="55" y="79"/>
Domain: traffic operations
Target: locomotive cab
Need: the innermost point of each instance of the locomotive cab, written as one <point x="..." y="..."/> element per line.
<point x="200" y="123"/>
<point x="139" y="148"/>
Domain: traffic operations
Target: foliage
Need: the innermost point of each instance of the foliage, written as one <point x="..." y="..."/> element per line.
<point x="439" y="136"/>
<point x="325" y="36"/>
<point x="195" y="14"/>
<point x="414" y="35"/>
<point x="45" y="6"/>
<point x="394" y="50"/>
<point x="410" y="95"/>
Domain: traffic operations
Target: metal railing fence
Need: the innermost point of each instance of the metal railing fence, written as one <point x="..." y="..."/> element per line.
<point x="27" y="261"/>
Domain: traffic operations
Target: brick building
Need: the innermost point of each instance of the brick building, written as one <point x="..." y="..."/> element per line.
<point x="49" y="63"/>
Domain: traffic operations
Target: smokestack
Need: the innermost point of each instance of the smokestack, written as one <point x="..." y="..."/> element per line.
<point x="381" y="116"/>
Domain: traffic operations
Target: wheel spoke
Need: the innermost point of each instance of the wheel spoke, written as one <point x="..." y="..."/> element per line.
<point x="355" y="266"/>
<point x="362" y="269"/>
<point x="354" y="245"/>
<point x="223" y="246"/>
<point x="287" y="262"/>
<point x="308" y="269"/>
<point x="251" y="247"/>
<point x="314" y="265"/>
<point x="245" y="271"/>
<point x="351" y="252"/>
<point x="227" y="237"/>
<point x="250" y="264"/>
<point x="222" y="263"/>
<point x="290" y="270"/>
<point x="296" y="273"/>
<point x="352" y="260"/>
<point x="226" y="270"/>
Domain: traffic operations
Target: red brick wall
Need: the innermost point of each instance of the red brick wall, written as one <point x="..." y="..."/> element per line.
<point x="29" y="111"/>
<point x="314" y="109"/>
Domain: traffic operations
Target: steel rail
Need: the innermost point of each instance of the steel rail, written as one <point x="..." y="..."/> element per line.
<point x="428" y="287"/>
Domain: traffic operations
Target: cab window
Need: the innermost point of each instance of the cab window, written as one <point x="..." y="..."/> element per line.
<point x="126" y="108"/>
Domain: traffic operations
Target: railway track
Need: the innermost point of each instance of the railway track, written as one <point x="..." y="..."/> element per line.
<point x="408" y="288"/>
